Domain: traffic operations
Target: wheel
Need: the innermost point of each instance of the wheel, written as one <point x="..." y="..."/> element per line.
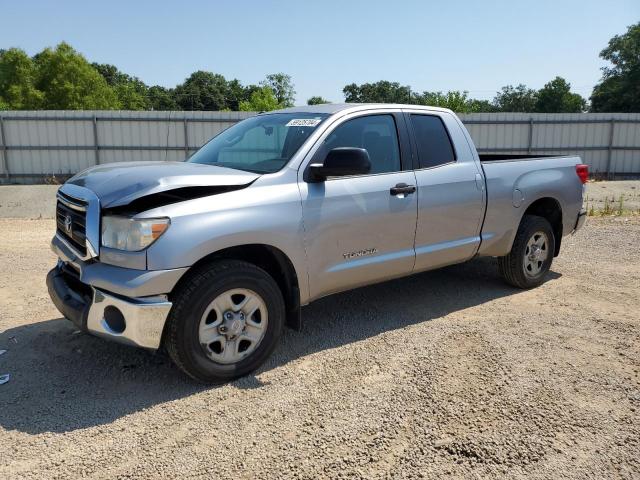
<point x="531" y="255"/>
<point x="225" y="321"/>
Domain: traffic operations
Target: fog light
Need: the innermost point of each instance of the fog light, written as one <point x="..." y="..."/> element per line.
<point x="114" y="319"/>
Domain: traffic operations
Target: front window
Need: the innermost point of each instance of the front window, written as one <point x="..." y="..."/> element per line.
<point x="376" y="134"/>
<point x="261" y="144"/>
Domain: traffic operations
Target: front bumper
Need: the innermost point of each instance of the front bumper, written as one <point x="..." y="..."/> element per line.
<point x="125" y="282"/>
<point x="133" y="321"/>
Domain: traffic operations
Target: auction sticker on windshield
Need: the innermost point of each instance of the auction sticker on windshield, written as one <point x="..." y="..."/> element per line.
<point x="303" y="122"/>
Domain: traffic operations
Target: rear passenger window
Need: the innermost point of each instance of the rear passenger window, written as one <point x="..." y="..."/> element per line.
<point x="432" y="139"/>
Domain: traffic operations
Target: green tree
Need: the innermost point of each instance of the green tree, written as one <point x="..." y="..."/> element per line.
<point x="111" y="74"/>
<point x="619" y="89"/>
<point x="261" y="100"/>
<point x="202" y="91"/>
<point x="454" y="100"/>
<point x="516" y="99"/>
<point x="130" y="98"/>
<point x="556" y="97"/>
<point x="283" y="88"/>
<point x="378" y="92"/>
<point x="239" y="93"/>
<point x="131" y="91"/>
<point x="160" y="98"/>
<point x="18" y="74"/>
<point x="392" y="92"/>
<point x="236" y="94"/>
<point x="476" y="105"/>
<point x="317" y="101"/>
<point x="69" y="82"/>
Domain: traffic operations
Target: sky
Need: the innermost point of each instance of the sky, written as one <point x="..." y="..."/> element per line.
<point x="478" y="46"/>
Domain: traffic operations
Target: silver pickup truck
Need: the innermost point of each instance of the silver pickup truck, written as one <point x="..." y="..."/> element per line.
<point x="212" y="257"/>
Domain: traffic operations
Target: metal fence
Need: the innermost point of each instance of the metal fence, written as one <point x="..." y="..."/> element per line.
<point x="37" y="145"/>
<point x="608" y="142"/>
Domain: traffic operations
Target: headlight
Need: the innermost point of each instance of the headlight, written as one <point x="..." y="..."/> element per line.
<point x="132" y="235"/>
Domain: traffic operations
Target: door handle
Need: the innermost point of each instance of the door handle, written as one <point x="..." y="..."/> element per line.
<point x="402" y="189"/>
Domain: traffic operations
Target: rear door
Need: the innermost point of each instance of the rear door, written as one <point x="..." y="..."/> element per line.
<point x="450" y="190"/>
<point x="361" y="229"/>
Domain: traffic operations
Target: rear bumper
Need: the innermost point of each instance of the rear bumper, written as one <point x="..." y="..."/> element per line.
<point x="582" y="218"/>
<point x="133" y="321"/>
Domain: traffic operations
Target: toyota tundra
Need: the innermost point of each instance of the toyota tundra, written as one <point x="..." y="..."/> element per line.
<point x="212" y="257"/>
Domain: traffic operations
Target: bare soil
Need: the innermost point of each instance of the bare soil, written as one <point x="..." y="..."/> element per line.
<point x="444" y="373"/>
<point x="612" y="193"/>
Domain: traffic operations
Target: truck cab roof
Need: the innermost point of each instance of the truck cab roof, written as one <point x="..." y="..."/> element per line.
<point x="331" y="108"/>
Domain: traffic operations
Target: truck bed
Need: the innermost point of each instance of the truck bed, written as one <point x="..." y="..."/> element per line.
<point x="512" y="180"/>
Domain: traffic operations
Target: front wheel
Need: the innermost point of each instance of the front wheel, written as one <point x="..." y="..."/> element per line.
<point x="225" y="321"/>
<point x="531" y="254"/>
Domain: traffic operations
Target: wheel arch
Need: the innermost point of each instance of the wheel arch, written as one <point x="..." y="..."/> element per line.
<point x="270" y="259"/>
<point x="550" y="209"/>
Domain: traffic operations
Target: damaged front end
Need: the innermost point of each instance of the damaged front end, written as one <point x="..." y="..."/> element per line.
<point x="120" y="184"/>
<point x="161" y="199"/>
<point x="128" y="189"/>
<point x="102" y="282"/>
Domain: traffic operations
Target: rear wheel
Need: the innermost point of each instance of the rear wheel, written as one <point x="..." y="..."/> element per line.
<point x="225" y="321"/>
<point x="531" y="254"/>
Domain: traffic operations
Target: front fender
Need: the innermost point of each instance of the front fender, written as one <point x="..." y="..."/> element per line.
<point x="269" y="215"/>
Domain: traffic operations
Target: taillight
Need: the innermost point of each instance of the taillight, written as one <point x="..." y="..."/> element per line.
<point x="582" y="171"/>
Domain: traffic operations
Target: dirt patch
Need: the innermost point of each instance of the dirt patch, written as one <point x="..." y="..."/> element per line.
<point x="28" y="201"/>
<point x="447" y="372"/>
<point x="613" y="195"/>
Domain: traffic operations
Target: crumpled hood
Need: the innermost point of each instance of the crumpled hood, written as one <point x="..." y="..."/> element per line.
<point x="118" y="184"/>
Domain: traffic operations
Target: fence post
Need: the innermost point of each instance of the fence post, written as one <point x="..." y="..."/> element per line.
<point x="96" y="146"/>
<point x="186" y="139"/>
<point x="5" y="153"/>
<point x="610" y="151"/>
<point x="530" y="135"/>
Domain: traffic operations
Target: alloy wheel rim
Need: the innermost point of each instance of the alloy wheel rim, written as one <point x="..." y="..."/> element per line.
<point x="535" y="254"/>
<point x="233" y="325"/>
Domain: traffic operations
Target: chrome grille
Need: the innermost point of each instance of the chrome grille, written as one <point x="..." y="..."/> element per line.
<point x="71" y="221"/>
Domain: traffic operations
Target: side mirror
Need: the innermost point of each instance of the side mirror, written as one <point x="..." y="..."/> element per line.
<point x="341" y="162"/>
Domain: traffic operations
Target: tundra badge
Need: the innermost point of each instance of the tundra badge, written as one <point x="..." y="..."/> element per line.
<point x="359" y="253"/>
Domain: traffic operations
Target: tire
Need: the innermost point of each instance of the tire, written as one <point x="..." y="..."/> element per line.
<point x="523" y="267"/>
<point x="225" y="344"/>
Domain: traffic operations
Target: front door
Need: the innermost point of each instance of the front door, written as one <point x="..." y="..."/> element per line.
<point x="361" y="229"/>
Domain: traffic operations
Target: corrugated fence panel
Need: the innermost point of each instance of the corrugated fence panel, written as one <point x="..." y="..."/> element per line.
<point x="491" y="135"/>
<point x="201" y="131"/>
<point x="39" y="144"/>
<point x="607" y="142"/>
<point x="137" y="136"/>
<point x="49" y="140"/>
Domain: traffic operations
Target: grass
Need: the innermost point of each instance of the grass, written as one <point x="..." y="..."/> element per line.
<point x="612" y="207"/>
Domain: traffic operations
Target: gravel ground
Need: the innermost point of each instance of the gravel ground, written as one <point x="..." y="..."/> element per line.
<point x="38" y="201"/>
<point x="28" y="201"/>
<point x="448" y="372"/>
<point x="629" y="190"/>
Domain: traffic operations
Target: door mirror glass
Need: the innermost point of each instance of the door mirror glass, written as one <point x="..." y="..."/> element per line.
<point x="341" y="162"/>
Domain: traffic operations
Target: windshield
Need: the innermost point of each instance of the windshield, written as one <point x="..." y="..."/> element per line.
<point x="261" y="144"/>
